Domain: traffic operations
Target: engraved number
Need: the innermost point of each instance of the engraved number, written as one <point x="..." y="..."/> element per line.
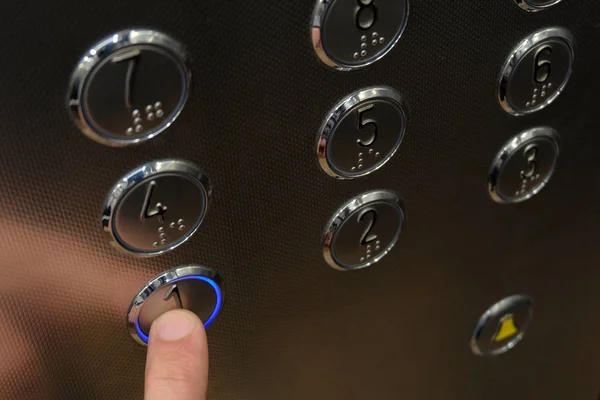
<point x="530" y="153"/>
<point x="173" y="291"/>
<point x="370" y="215"/>
<point x="542" y="65"/>
<point x="158" y="210"/>
<point x="132" y="57"/>
<point x="364" y="123"/>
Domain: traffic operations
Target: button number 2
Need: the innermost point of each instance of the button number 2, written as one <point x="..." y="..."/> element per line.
<point x="370" y="215"/>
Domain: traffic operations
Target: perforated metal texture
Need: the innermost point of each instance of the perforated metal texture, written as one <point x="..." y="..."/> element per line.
<point x="292" y="327"/>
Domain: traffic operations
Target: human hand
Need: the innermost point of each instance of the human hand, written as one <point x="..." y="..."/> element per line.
<point x="177" y="359"/>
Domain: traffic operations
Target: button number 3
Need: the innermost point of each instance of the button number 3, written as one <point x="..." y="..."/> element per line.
<point x="530" y="153"/>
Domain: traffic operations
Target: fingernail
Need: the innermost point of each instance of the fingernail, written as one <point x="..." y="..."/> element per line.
<point x="173" y="325"/>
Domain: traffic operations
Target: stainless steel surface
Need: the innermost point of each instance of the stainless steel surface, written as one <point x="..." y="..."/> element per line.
<point x="361" y="133"/>
<point x="363" y="230"/>
<point x="518" y="91"/>
<point x="142" y="94"/>
<point x="485" y="340"/>
<point x="192" y="287"/>
<point x="156" y="207"/>
<point x="536" y="5"/>
<point x="524" y="165"/>
<point x="341" y="40"/>
<point x="292" y="327"/>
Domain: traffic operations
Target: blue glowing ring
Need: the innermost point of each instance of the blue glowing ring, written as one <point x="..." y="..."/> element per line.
<point x="210" y="319"/>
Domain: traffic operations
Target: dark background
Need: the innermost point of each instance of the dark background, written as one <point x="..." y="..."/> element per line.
<point x="291" y="326"/>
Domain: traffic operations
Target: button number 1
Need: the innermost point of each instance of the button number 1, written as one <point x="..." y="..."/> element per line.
<point x="132" y="57"/>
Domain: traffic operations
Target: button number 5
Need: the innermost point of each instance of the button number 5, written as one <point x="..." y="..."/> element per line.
<point x="364" y="123"/>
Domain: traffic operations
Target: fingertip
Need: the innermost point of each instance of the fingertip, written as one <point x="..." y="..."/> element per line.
<point x="177" y="359"/>
<point x="176" y="325"/>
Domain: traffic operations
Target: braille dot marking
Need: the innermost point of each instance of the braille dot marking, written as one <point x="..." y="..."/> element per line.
<point x="157" y="105"/>
<point x="378" y="242"/>
<point x="163" y="235"/>
<point x="139" y="128"/>
<point x="160" y="113"/>
<point x="377" y="154"/>
<point x="549" y="85"/>
<point x="368" y="246"/>
<point x="356" y="55"/>
<point x="135" y="113"/>
<point x="374" y="42"/>
<point x="161" y="229"/>
<point x="534" y="97"/>
<point x="544" y="87"/>
<point x="181" y="227"/>
<point x="180" y="221"/>
<point x="368" y="256"/>
<point x="360" y="166"/>
<point x="172" y="225"/>
<point x="381" y="40"/>
<point x="353" y="169"/>
<point x="543" y="94"/>
<point x="129" y="131"/>
<point x="363" y="46"/>
<point x="137" y="121"/>
<point x="360" y="155"/>
<point x="149" y="109"/>
<point x="360" y="160"/>
<point x="362" y="259"/>
<point x="155" y="244"/>
<point x="535" y="90"/>
<point x="528" y="104"/>
<point x="377" y="248"/>
<point x="374" y="35"/>
<point x="370" y="151"/>
<point x="150" y="117"/>
<point x="363" y="38"/>
<point x="163" y="241"/>
<point x="363" y="53"/>
<point x="533" y="103"/>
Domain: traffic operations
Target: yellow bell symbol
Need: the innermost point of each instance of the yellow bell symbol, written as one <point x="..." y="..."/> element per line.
<point x="507" y="328"/>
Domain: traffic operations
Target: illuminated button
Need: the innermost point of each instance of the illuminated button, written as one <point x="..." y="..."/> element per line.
<point x="502" y="326"/>
<point x="156" y="207"/>
<point x="190" y="287"/>
<point x="129" y="87"/>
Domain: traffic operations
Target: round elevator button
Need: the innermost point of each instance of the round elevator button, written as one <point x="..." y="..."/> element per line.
<point x="363" y="230"/>
<point x="129" y="87"/>
<point x="351" y="34"/>
<point x="502" y="326"/>
<point x="536" y="72"/>
<point x="524" y="165"/>
<point x="361" y="133"/>
<point x="190" y="287"/>
<point x="536" y="5"/>
<point x="156" y="207"/>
